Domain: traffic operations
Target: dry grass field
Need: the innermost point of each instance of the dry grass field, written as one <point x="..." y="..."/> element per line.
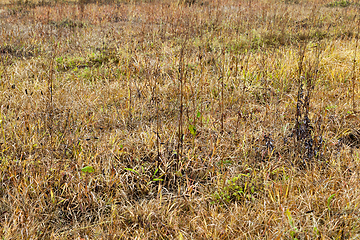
<point x="164" y="119"/>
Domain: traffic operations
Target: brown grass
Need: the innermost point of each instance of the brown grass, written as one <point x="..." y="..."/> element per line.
<point x="179" y="119"/>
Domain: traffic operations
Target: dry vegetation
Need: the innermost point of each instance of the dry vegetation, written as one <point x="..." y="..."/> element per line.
<point x="180" y="120"/>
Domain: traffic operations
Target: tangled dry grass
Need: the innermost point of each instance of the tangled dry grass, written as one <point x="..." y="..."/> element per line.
<point x="179" y="120"/>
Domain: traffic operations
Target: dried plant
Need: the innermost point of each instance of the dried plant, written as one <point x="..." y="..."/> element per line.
<point x="166" y="119"/>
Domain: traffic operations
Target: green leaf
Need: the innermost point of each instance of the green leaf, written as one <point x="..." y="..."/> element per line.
<point x="329" y="201"/>
<point x="192" y="130"/>
<point x="157" y="169"/>
<point x="330" y="107"/>
<point x="316" y="230"/>
<point x="291" y="221"/>
<point x="52" y="196"/>
<point x="88" y="169"/>
<point x="132" y="170"/>
<point x="157" y="179"/>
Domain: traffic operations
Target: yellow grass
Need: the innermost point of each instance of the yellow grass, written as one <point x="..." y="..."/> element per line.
<point x="169" y="120"/>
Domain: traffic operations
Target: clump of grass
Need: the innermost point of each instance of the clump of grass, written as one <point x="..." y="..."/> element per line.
<point x="341" y="3"/>
<point x="17" y="51"/>
<point x="241" y="188"/>
<point x="68" y="23"/>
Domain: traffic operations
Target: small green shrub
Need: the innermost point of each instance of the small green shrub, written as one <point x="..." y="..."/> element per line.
<point x="239" y="188"/>
<point x="341" y="3"/>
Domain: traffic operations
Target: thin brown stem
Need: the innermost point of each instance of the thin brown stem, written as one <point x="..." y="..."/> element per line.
<point x="354" y="70"/>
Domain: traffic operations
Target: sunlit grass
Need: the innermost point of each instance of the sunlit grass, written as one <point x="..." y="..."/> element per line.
<point x="179" y="119"/>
